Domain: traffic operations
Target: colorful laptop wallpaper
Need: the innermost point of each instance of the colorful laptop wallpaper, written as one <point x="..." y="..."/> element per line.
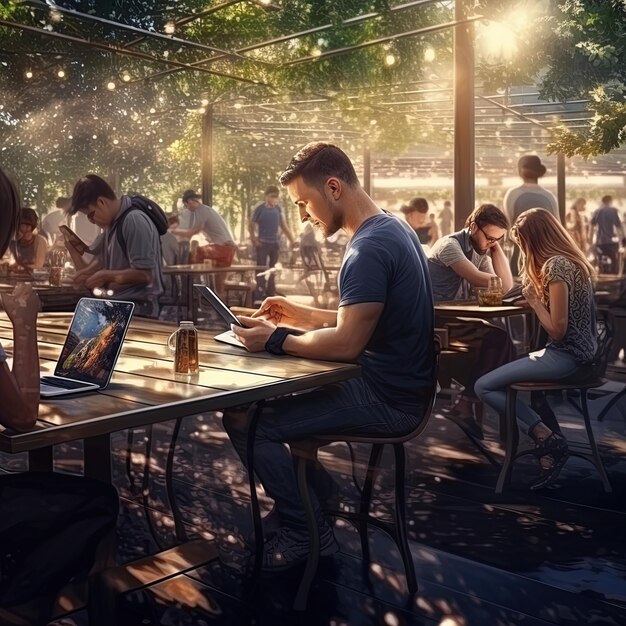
<point x="93" y="340"/>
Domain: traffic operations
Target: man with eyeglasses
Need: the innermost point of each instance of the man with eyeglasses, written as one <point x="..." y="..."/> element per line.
<point x="457" y="263"/>
<point x="470" y="257"/>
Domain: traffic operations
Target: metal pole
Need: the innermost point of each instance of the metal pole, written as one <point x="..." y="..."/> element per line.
<point x="464" y="190"/>
<point x="560" y="185"/>
<point x="367" y="169"/>
<point x="207" y="156"/>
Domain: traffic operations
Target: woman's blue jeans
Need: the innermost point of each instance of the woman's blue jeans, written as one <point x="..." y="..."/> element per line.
<point x="543" y="365"/>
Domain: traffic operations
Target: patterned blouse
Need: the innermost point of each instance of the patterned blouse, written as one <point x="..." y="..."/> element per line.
<point x="580" y="337"/>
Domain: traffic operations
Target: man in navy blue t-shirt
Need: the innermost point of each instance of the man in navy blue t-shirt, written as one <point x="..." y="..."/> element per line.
<point x="266" y="222"/>
<point x="384" y="323"/>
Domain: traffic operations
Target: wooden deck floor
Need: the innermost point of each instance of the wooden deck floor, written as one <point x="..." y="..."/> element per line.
<point x="557" y="557"/>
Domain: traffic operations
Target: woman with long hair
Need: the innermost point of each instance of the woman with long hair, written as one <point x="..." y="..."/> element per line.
<point x="557" y="285"/>
<point x="575" y="225"/>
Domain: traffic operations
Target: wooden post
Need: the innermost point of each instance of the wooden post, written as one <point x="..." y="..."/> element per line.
<point x="207" y="156"/>
<point x="464" y="168"/>
<point x="560" y="185"/>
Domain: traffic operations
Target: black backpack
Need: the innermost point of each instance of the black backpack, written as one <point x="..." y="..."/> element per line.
<point x="151" y="209"/>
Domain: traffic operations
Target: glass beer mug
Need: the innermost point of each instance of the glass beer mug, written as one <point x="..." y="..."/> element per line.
<point x="184" y="344"/>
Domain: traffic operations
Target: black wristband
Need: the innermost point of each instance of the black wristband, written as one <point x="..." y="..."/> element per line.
<point x="274" y="344"/>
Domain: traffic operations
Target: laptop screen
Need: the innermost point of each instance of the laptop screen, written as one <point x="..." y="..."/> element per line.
<point x="94" y="340"/>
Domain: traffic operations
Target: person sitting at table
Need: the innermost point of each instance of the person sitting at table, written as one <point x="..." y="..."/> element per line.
<point x="416" y="214"/>
<point x="51" y="525"/>
<point x="458" y="262"/>
<point x="128" y="266"/>
<point x="384" y="323"/>
<point x="29" y="249"/>
<point x="206" y="220"/>
<point x="557" y="285"/>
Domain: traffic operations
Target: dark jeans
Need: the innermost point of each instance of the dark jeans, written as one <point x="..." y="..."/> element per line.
<point x="610" y="250"/>
<point x="266" y="254"/>
<point x="348" y="407"/>
<point x="489" y="348"/>
<point x="50" y="528"/>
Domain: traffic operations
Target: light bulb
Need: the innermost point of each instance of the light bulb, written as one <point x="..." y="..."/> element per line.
<point x="110" y="85"/>
<point x="170" y="28"/>
<point x="61" y="74"/>
<point x="390" y="59"/>
<point x="429" y="55"/>
<point x="28" y="74"/>
<point x="126" y="77"/>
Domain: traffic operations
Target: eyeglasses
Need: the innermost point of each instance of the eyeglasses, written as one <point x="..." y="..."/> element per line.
<point x="489" y="239"/>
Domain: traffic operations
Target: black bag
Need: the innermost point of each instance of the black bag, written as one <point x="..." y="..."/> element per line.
<point x="151" y="209"/>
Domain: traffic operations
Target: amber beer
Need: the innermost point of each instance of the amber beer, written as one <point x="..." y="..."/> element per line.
<point x="185" y="349"/>
<point x="55" y="275"/>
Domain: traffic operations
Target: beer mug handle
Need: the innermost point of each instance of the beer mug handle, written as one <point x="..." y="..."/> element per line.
<point x="171" y="341"/>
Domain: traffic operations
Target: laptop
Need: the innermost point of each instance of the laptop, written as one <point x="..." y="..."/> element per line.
<point x="91" y="348"/>
<point x="225" y="313"/>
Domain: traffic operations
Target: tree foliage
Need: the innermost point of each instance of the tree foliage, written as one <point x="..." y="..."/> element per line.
<point x="573" y="49"/>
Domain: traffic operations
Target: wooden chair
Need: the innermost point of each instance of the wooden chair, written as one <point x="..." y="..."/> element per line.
<point x="588" y="377"/>
<point x="306" y="451"/>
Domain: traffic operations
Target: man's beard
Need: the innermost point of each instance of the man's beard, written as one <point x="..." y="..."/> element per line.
<point x="476" y="247"/>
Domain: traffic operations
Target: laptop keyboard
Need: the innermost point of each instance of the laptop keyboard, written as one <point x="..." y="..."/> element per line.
<point x="61" y="382"/>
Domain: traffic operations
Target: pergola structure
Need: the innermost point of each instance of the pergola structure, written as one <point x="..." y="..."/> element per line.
<point x="464" y="116"/>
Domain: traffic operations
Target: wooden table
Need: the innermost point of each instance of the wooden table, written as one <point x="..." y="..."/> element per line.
<point x="470" y="308"/>
<point x="190" y="271"/>
<point x="144" y="390"/>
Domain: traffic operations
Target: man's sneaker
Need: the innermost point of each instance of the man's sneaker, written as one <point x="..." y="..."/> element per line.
<point x="289" y="547"/>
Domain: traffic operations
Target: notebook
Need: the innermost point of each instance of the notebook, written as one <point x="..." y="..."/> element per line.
<point x="225" y="313"/>
<point x="91" y="348"/>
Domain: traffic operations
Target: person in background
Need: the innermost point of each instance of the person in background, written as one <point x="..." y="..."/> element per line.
<point x="51" y="524"/>
<point x="458" y="262"/>
<point x="127" y="262"/>
<point x="169" y="242"/>
<point x="445" y="218"/>
<point x="416" y="215"/>
<point x="265" y="224"/>
<point x="28" y="248"/>
<point x="529" y="195"/>
<point x="606" y="227"/>
<point x="206" y="220"/>
<point x="434" y="229"/>
<point x="50" y="223"/>
<point x="575" y="223"/>
<point x="557" y="285"/>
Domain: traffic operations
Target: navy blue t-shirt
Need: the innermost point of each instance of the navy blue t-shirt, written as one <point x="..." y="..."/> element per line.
<point x="268" y="218"/>
<point x="384" y="262"/>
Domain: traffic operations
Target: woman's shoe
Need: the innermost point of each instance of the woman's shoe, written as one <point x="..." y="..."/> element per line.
<point x="554" y="448"/>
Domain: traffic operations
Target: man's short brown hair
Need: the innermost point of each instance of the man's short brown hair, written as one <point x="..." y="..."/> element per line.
<point x="488" y="215"/>
<point x="317" y="162"/>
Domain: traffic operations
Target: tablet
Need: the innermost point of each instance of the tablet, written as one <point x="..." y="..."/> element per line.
<point x="216" y="302"/>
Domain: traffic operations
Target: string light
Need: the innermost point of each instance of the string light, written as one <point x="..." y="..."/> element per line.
<point x="126" y="77"/>
<point x="429" y="55"/>
<point x="170" y="28"/>
<point x="61" y="74"/>
<point x="390" y="59"/>
<point x="28" y="74"/>
<point x="110" y="85"/>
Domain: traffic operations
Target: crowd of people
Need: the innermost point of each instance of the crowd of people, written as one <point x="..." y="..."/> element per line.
<point x="385" y="322"/>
